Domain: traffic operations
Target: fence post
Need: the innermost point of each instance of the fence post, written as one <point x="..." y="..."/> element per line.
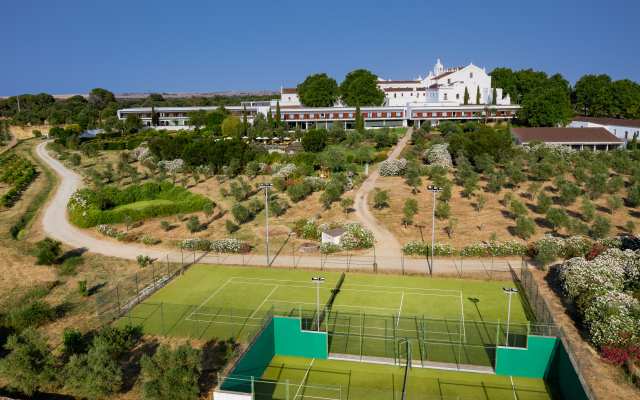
<point x="162" y="316"/>
<point x="253" y="393"/>
<point x="168" y="266"/>
<point x="497" y="336"/>
<point x="197" y="330"/>
<point x="137" y="290"/>
<point x="231" y="315"/>
<point x="181" y="256"/>
<point x="321" y="257"/>
<point x="491" y="266"/>
<point x="153" y="275"/>
<point x="402" y="262"/>
<point x="194" y="257"/>
<point x="347" y="260"/>
<point x="118" y="298"/>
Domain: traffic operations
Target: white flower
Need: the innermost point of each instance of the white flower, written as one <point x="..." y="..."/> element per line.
<point x="392" y="167"/>
<point x="438" y="155"/>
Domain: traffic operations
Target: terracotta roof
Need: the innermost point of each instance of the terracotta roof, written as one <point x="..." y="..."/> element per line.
<point x="400" y="89"/>
<point x="395" y="82"/>
<point x="335" y="232"/>
<point x="565" y="135"/>
<point x="435" y="86"/>
<point x="445" y="74"/>
<point x="289" y="91"/>
<point x="632" y="123"/>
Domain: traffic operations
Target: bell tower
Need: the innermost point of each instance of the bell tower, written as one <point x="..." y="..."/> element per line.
<point x="437" y="70"/>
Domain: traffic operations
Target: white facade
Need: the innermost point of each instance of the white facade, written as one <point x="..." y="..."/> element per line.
<point x="623" y="129"/>
<point x="333" y="235"/>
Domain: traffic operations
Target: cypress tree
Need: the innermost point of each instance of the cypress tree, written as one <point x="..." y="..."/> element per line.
<point x="478" y="96"/>
<point x="244" y="120"/>
<point x="359" y="119"/>
<point x="466" y="96"/>
<point x="494" y="99"/>
<point x="633" y="144"/>
<point x="270" y="121"/>
<point x="153" y="116"/>
<point x="278" y="116"/>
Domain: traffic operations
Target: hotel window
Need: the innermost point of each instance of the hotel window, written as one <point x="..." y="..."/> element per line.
<point x="445" y="96"/>
<point x="379" y="115"/>
<point x="290" y="116"/>
<point x="457" y="95"/>
<point x="449" y="81"/>
<point x="394" y="95"/>
<point x="470" y="74"/>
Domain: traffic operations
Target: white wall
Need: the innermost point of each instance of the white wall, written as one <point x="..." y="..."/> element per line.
<point x="622" y="132"/>
<point x="220" y="395"/>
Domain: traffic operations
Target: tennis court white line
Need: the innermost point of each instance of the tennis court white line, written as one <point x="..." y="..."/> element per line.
<point x="346" y="284"/>
<point x="464" y="327"/>
<point x="303" y="379"/>
<point x="259" y="307"/>
<point x="354" y="290"/>
<point x="333" y="306"/>
<point x="513" y="387"/>
<point x="216" y="292"/>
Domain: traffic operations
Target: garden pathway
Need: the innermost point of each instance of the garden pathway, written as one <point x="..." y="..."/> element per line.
<point x="386" y="243"/>
<point x="388" y="255"/>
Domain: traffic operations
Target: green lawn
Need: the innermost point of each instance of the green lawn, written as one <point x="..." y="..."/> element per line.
<point x="139" y="205"/>
<point x="331" y="379"/>
<point x="230" y="302"/>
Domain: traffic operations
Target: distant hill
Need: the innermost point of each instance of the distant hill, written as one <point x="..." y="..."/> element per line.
<point x="173" y="95"/>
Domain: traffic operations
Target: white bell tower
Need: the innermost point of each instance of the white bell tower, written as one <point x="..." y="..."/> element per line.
<point x="437" y="70"/>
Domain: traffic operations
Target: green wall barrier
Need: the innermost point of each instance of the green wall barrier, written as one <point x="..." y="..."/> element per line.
<point x="254" y="362"/>
<point x="533" y="362"/>
<point x="564" y="375"/>
<point x="290" y="340"/>
<point x="544" y="358"/>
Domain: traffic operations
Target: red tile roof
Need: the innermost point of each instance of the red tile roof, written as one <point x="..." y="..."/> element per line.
<point x="566" y="135"/>
<point x="289" y="91"/>
<point x="445" y="74"/>
<point x="632" y="123"/>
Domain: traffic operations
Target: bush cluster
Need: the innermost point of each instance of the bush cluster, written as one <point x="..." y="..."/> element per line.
<point x="90" y="208"/>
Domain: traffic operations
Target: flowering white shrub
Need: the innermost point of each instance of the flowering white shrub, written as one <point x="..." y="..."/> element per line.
<point x="192" y="244"/>
<point x="422" y="248"/>
<point x="569" y="247"/>
<point x="140" y="153"/>
<point x="234" y="246"/>
<point x="439" y="155"/>
<point x="392" y="167"/>
<point x="613" y="241"/>
<point x="105" y="230"/>
<point x="349" y="184"/>
<point x="78" y="199"/>
<point x="329" y="248"/>
<point x="149" y="241"/>
<point x="317" y="183"/>
<point x="556" y="149"/>
<point x="357" y="236"/>
<point x="492" y="247"/>
<point x="55" y="154"/>
<point x="611" y="315"/>
<point x="283" y="170"/>
<point x="173" y="166"/>
<point x="578" y="275"/>
<point x="205" y="170"/>
<point x="263" y="166"/>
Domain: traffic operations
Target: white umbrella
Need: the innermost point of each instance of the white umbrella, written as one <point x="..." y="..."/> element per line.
<point x="245" y="137"/>
<point x="287" y="138"/>
<point x="264" y="138"/>
<point x="276" y="138"/>
<point x="228" y="138"/>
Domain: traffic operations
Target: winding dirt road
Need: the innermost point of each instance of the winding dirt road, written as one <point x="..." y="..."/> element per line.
<point x="387" y="254"/>
<point x="386" y="243"/>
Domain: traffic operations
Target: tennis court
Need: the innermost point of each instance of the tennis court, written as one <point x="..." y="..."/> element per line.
<point x="297" y="378"/>
<point x="222" y="302"/>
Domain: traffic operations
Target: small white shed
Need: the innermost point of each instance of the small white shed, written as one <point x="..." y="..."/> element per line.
<point x="333" y="235"/>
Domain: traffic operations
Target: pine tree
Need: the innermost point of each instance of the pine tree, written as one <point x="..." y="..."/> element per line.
<point x="278" y="116"/>
<point x="478" y="96"/>
<point x="494" y="99"/>
<point x="466" y="95"/>
<point x="244" y="120"/>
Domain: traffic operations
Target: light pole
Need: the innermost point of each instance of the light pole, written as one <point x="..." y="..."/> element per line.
<point x="293" y="250"/>
<point x="318" y="280"/>
<point x="435" y="190"/>
<point x="509" y="291"/>
<point x="266" y="187"/>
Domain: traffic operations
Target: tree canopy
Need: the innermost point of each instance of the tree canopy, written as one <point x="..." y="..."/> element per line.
<point x="360" y="87"/>
<point x="318" y="91"/>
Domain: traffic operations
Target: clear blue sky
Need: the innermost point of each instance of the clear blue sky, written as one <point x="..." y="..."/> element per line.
<point x="63" y="47"/>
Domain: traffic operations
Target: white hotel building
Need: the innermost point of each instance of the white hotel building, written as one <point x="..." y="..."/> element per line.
<point x="439" y="96"/>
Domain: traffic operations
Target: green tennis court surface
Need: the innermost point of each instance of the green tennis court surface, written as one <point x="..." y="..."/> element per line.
<point x="331" y="379"/>
<point x="221" y="302"/>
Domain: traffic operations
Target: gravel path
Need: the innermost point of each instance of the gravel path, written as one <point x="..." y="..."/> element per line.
<point x="386" y="243"/>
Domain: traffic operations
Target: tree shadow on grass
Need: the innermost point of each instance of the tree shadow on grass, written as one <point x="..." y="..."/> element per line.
<point x="95" y="288"/>
<point x="72" y="253"/>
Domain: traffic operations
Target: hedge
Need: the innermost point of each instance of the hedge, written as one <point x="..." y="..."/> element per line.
<point x="89" y="208"/>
